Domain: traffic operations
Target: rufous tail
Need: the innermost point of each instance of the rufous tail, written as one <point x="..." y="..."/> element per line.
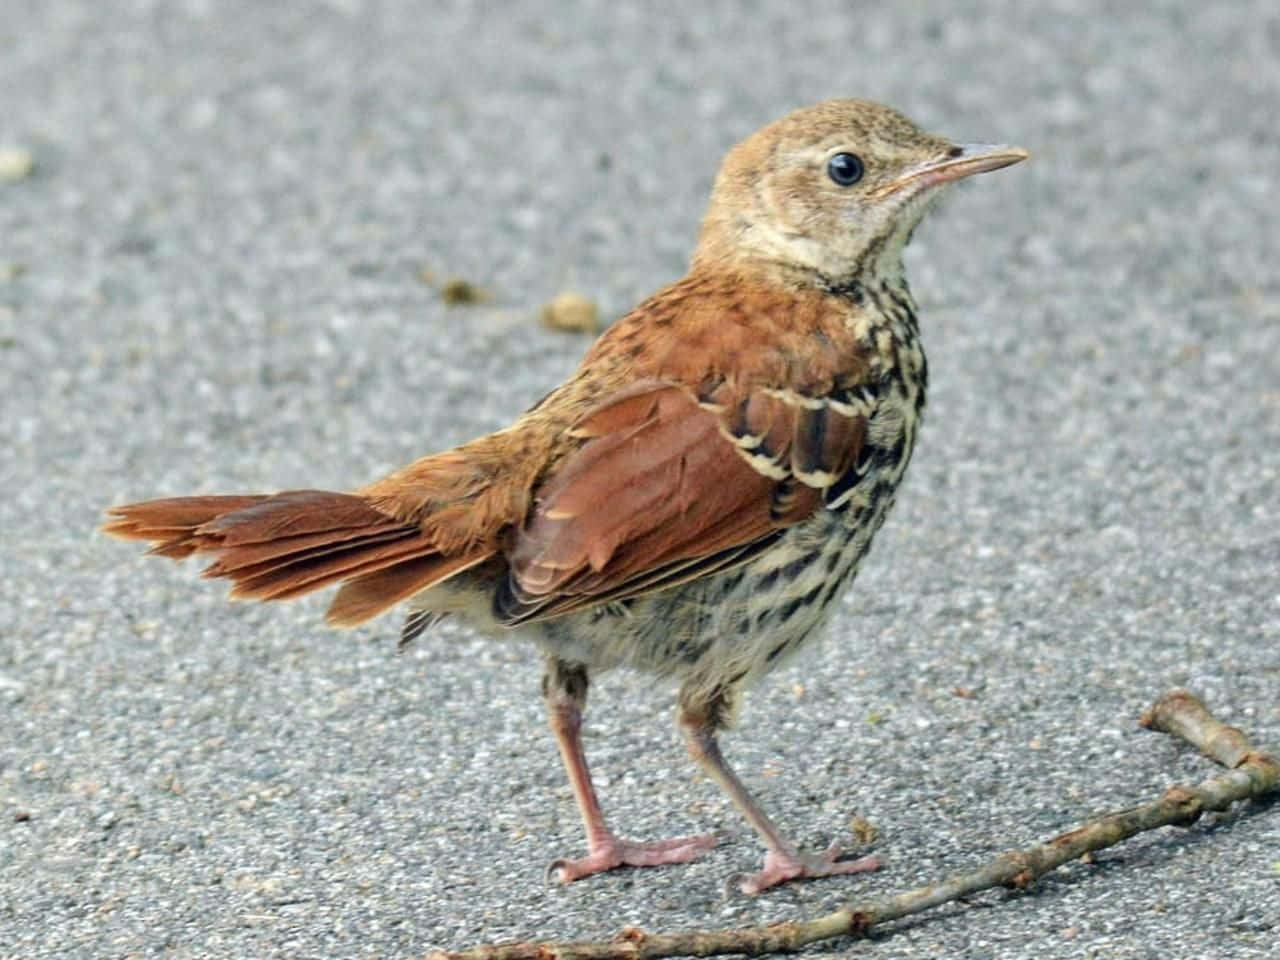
<point x="284" y="545"/>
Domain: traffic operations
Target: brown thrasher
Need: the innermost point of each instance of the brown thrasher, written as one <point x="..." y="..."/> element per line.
<point x="692" y="500"/>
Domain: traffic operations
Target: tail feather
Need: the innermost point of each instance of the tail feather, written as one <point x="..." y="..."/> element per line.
<point x="295" y="579"/>
<point x="173" y="521"/>
<point x="276" y="547"/>
<point x="252" y="559"/>
<point x="296" y="513"/>
<point x="367" y="595"/>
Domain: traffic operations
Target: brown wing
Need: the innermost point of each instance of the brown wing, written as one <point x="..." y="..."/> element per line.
<point x="669" y="485"/>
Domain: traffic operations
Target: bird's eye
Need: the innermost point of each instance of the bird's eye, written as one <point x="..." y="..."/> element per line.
<point x="845" y="169"/>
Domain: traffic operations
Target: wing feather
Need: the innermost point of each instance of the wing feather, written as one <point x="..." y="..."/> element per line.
<point x="668" y="485"/>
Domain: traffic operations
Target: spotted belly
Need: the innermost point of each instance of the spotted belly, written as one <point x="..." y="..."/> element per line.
<point x="732" y="627"/>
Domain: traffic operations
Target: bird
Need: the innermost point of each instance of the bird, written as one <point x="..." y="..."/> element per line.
<point x="692" y="501"/>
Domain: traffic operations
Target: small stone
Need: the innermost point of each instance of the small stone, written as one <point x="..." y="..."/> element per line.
<point x="12" y="688"/>
<point x="573" y="312"/>
<point x="456" y="291"/>
<point x="863" y="830"/>
<point x="16" y="163"/>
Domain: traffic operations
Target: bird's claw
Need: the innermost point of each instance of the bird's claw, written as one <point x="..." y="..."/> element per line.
<point x="782" y="867"/>
<point x="552" y="867"/>
<point x="614" y="852"/>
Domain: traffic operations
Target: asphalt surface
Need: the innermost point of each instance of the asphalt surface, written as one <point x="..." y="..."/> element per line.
<point x="211" y="281"/>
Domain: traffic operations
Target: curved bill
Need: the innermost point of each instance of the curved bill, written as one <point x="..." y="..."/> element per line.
<point x="964" y="160"/>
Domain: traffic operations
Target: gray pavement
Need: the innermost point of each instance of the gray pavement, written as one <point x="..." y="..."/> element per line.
<point x="211" y="282"/>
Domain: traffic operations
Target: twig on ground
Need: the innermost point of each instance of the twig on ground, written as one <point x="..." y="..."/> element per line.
<point x="1251" y="773"/>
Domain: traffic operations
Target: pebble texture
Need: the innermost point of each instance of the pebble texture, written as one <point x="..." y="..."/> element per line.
<point x="211" y="280"/>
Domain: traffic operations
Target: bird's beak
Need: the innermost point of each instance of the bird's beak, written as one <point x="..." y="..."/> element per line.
<point x="965" y="160"/>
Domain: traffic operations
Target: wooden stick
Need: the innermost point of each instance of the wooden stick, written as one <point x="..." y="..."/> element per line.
<point x="1178" y="713"/>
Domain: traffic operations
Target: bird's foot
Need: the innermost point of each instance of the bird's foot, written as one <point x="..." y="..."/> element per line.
<point x="614" y="852"/>
<point x="779" y="868"/>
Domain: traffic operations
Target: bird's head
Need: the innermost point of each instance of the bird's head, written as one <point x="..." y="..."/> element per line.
<point x="833" y="190"/>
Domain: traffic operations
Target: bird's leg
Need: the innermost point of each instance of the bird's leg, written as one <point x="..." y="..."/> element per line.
<point x="700" y="718"/>
<point x="564" y="685"/>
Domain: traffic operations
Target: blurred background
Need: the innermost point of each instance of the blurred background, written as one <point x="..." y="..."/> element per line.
<point x="231" y="236"/>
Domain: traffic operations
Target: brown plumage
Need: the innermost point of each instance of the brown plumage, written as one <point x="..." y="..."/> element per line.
<point x="692" y="500"/>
